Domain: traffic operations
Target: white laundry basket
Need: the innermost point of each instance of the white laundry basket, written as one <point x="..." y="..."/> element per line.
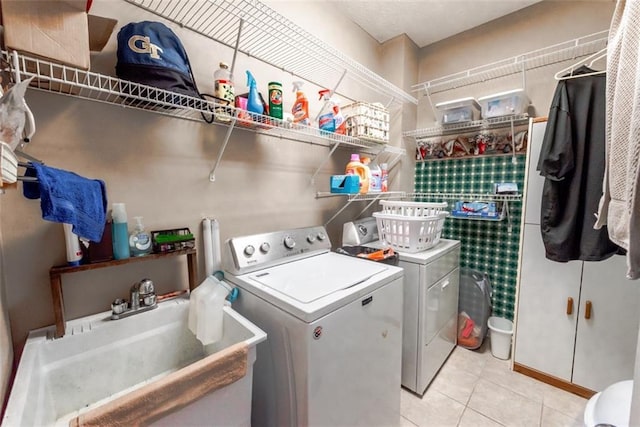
<point x="501" y="331"/>
<point x="410" y="226"/>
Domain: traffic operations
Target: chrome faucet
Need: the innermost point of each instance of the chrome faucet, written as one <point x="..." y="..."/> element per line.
<point x="142" y="297"/>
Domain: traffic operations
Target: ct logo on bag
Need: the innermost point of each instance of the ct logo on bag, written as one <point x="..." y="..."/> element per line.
<point x="142" y="44"/>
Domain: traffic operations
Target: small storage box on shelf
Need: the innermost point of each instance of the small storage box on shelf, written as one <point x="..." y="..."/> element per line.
<point x="367" y="121"/>
<point x="410" y="226"/>
<point x="458" y="111"/>
<point x="504" y="104"/>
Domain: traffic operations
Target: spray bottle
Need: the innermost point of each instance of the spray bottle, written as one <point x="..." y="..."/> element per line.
<point x="326" y="121"/>
<point x="338" y="118"/>
<point x="254" y="103"/>
<point x="300" y="108"/>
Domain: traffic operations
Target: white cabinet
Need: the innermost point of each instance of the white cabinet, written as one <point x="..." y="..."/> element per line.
<point x="577" y="322"/>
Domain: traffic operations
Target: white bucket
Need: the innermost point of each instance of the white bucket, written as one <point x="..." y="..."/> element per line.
<point x="501" y="331"/>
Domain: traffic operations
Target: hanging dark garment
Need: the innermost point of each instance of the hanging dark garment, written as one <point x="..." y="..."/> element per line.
<point x="572" y="160"/>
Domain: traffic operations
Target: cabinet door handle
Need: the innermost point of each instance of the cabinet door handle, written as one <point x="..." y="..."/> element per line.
<point x="445" y="284"/>
<point x="569" y="305"/>
<point x="587" y="310"/>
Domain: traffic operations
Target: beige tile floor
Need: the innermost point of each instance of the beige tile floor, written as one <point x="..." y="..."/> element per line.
<point x="475" y="389"/>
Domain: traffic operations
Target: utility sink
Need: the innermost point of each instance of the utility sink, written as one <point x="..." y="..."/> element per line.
<point x="107" y="367"/>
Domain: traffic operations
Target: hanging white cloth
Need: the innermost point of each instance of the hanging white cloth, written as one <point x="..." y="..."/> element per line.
<point x="620" y="204"/>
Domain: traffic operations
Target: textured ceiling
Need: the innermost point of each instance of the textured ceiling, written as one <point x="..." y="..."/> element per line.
<point x="425" y="21"/>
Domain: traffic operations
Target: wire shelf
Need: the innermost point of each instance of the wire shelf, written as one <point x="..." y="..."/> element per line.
<point x="65" y="80"/>
<point x="492" y="123"/>
<point x="560" y="52"/>
<point x="364" y="197"/>
<point x="271" y="38"/>
<point x="468" y="196"/>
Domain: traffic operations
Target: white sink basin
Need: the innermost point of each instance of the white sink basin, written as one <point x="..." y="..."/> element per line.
<point x="100" y="360"/>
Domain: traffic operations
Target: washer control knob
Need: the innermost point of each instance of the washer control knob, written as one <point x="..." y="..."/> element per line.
<point x="264" y="248"/>
<point x="321" y="236"/>
<point x="311" y="238"/>
<point x="289" y="242"/>
<point x="249" y="250"/>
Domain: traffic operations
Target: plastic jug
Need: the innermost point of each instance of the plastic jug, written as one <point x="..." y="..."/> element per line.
<point x="355" y="167"/>
<point x="384" y="178"/>
<point x="206" y="310"/>
<point x="376" y="177"/>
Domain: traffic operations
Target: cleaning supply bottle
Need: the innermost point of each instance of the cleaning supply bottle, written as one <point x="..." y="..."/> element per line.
<point x="300" y="108"/>
<point x="139" y="239"/>
<point x="72" y="243"/>
<point x="120" y="232"/>
<point x="275" y="100"/>
<point x="384" y="177"/>
<point x="254" y="103"/>
<point x="223" y="90"/>
<point x="339" y="121"/>
<point x="376" y="177"/>
<point x="326" y="121"/>
<point x="355" y="167"/>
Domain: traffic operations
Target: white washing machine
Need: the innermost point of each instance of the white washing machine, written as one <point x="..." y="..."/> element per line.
<point x="430" y="310"/>
<point x="334" y="330"/>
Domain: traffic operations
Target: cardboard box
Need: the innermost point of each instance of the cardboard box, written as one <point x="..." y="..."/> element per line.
<point x="57" y="30"/>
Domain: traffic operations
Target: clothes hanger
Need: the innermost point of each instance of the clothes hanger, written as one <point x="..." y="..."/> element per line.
<point x="602" y="53"/>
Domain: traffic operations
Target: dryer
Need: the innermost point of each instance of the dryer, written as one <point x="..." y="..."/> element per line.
<point x="430" y="308"/>
<point x="334" y="325"/>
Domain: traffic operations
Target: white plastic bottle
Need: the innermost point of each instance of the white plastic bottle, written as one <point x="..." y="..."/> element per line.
<point x="206" y="310"/>
<point x="384" y="177"/>
<point x="375" y="185"/>
<point x="72" y="243"/>
<point x="139" y="239"/>
<point x="224" y="91"/>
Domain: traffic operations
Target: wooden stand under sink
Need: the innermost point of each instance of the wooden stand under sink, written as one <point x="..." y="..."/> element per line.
<point x="55" y="275"/>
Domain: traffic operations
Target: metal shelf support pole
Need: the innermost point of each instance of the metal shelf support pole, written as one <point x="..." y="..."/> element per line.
<point x="212" y="173"/>
<point x="322" y="163"/>
<point x="335" y="215"/>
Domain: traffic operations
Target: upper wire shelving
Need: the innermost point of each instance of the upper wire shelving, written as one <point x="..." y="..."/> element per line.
<point x="273" y="39"/>
<point x="66" y="80"/>
<point x="496" y="122"/>
<point x="553" y="54"/>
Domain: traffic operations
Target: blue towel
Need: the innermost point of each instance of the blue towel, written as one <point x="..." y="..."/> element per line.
<point x="69" y="198"/>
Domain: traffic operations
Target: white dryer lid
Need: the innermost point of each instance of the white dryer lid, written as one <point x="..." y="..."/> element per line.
<point x="315" y="277"/>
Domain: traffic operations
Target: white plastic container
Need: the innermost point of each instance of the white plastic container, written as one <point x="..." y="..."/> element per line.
<point x="501" y="332"/>
<point x="458" y="111"/>
<point x="74" y="253"/>
<point x="504" y="103"/>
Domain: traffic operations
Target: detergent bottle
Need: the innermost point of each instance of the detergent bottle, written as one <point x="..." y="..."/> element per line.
<point x="338" y="118"/>
<point x="355" y="167"/>
<point x="326" y="121"/>
<point x="254" y="103"/>
<point x="384" y="178"/>
<point x="375" y="185"/>
<point x="300" y="108"/>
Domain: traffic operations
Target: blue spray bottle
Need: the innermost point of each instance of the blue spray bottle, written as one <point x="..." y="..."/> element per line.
<point x="254" y="103"/>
